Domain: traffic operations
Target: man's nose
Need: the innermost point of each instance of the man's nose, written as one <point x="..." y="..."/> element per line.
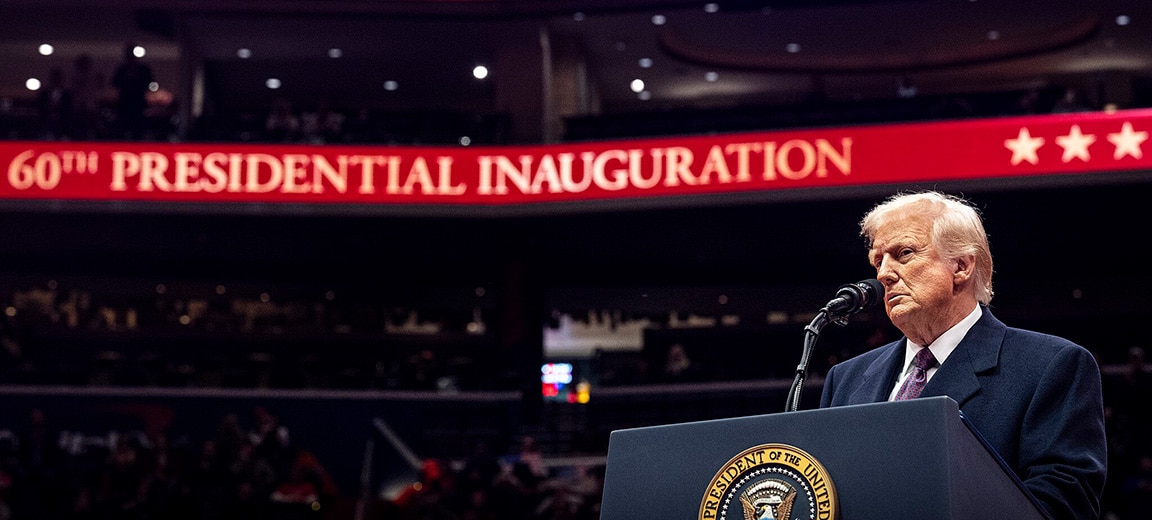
<point x="885" y="273"/>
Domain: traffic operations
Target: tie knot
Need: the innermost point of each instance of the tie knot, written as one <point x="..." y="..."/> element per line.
<point x="924" y="359"/>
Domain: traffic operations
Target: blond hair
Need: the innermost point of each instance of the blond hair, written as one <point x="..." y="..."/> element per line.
<point x="957" y="230"/>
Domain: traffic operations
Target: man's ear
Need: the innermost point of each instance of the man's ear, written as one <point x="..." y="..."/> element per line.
<point x="965" y="267"/>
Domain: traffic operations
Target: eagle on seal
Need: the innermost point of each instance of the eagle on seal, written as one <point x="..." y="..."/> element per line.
<point x="768" y="500"/>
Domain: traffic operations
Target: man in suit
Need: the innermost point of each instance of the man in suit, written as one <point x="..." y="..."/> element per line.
<point x="1036" y="398"/>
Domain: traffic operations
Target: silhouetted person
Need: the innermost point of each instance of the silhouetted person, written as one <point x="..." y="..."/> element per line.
<point x="35" y="485"/>
<point x="131" y="80"/>
<point x="282" y="125"/>
<point x="678" y="366"/>
<point x="86" y="87"/>
<point x="1137" y="490"/>
<point x="322" y="125"/>
<point x="55" y="104"/>
<point x="1070" y="102"/>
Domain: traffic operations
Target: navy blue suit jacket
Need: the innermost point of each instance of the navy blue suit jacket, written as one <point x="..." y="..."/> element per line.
<point x="1036" y="399"/>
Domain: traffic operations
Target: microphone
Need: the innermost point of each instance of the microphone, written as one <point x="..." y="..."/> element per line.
<point x="850" y="299"/>
<point x="855" y="297"/>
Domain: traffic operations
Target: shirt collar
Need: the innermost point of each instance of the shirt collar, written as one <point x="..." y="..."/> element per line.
<point x="947" y="342"/>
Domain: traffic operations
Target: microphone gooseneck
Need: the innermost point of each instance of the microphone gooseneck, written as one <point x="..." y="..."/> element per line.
<point x="850" y="299"/>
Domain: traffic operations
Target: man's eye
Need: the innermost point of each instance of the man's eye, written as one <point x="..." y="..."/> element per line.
<point x="905" y="252"/>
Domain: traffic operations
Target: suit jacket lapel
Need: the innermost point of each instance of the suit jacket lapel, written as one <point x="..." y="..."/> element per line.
<point x="880" y="375"/>
<point x="978" y="352"/>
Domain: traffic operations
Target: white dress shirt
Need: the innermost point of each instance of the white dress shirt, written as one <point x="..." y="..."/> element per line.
<point x="941" y="348"/>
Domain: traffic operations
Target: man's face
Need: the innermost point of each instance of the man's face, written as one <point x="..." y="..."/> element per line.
<point x="918" y="281"/>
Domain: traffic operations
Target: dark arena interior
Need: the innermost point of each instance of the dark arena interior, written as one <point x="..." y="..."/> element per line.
<point x="164" y="358"/>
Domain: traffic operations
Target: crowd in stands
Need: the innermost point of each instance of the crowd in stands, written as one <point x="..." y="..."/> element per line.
<point x="84" y="105"/>
<point x="517" y="486"/>
<point x="259" y="472"/>
<point x="241" y="473"/>
<point x="78" y="335"/>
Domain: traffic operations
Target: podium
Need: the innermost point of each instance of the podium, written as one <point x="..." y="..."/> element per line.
<point x="911" y="460"/>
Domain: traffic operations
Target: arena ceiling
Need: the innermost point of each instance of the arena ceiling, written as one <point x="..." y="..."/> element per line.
<point x="688" y="54"/>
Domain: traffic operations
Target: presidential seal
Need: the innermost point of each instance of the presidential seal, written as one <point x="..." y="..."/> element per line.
<point x="770" y="482"/>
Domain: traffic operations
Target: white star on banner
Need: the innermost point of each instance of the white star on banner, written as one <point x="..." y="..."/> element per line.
<point x="1024" y="147"/>
<point x="1128" y="142"/>
<point x="1075" y="144"/>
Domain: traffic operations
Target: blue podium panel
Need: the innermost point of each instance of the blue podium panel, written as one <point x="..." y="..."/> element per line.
<point x="903" y="460"/>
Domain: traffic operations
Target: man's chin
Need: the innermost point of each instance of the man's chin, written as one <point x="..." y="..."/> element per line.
<point x="899" y="314"/>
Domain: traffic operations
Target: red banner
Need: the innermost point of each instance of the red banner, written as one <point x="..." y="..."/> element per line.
<point x="1084" y="143"/>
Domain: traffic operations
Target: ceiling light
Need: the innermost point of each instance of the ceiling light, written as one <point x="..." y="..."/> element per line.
<point x="993" y="35"/>
<point x="272" y="83"/>
<point x="46" y="50"/>
<point x="579" y="17"/>
<point x="659" y="19"/>
<point x="244" y="53"/>
<point x="138" y="51"/>
<point x="465" y="141"/>
<point x="792" y="48"/>
<point x="32" y="84"/>
<point x="391" y="85"/>
<point x="711" y="76"/>
<point x="637" y="85"/>
<point x="711" y="8"/>
<point x="480" y="72"/>
<point x="644" y="96"/>
<point x="621" y="46"/>
<point x="153" y="86"/>
<point x="1123" y="20"/>
<point x="645" y="63"/>
<point x="335" y="53"/>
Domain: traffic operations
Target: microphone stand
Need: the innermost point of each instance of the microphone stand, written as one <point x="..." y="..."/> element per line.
<point x="811" y="334"/>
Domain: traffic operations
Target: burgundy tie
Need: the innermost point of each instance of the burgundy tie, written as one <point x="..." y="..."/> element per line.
<point x="912" y="386"/>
